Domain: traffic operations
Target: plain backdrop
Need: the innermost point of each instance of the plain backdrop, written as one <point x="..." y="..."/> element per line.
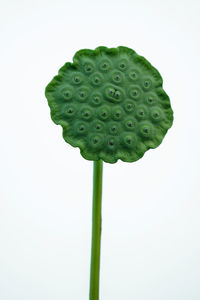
<point x="151" y="208"/>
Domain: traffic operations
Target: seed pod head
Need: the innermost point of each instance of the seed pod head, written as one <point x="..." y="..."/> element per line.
<point x="110" y="103"/>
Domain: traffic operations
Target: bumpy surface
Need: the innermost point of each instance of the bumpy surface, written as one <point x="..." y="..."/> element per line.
<point x="110" y="103"/>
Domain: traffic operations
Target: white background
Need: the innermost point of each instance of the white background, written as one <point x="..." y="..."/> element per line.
<point x="151" y="208"/>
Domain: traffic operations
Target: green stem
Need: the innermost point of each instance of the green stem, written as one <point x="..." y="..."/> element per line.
<point x="96" y="230"/>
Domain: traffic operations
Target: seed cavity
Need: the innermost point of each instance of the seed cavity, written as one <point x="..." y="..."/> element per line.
<point x="104" y="65"/>
<point x="135" y="92"/>
<point x="128" y="140"/>
<point x="96" y="99"/>
<point x="147" y="84"/>
<point x="117" y="94"/>
<point x="146" y="130"/>
<point x="123" y="63"/>
<point x="117" y="77"/>
<point x="96" y="79"/>
<point x="133" y="75"/>
<point x="103" y="112"/>
<point x="76" y="79"/>
<point x="82" y="94"/>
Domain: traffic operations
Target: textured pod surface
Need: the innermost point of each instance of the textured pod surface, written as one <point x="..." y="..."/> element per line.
<point x="110" y="103"/>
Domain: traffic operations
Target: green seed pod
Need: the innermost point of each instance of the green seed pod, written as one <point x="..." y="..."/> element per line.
<point x="110" y="103"/>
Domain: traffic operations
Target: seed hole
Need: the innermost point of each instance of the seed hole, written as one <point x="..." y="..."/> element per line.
<point x="76" y="79"/>
<point x="117" y="94"/>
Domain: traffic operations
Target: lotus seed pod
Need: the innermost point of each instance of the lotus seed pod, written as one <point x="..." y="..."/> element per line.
<point x="110" y="103"/>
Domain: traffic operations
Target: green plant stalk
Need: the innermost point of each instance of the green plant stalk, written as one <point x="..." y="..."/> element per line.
<point x="96" y="230"/>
